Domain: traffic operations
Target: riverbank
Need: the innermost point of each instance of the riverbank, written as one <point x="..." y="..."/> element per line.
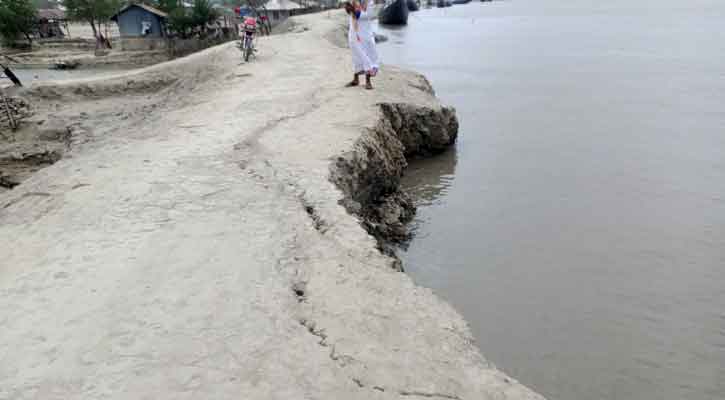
<point x="191" y="242"/>
<point x="570" y="229"/>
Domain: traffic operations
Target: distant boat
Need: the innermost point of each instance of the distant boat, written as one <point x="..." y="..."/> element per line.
<point x="444" y="3"/>
<point x="461" y="1"/>
<point x="394" y="13"/>
<point x="413" y="5"/>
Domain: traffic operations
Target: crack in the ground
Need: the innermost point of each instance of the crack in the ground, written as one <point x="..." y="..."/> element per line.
<point x="414" y="393"/>
<point x="428" y="394"/>
<point x="300" y="290"/>
<point x="341" y="359"/>
<point x="320" y="224"/>
<point x="251" y="142"/>
<point x="311" y="327"/>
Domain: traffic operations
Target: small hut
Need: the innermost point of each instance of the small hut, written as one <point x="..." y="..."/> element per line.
<point x="51" y="22"/>
<point x="141" y="26"/>
<point x="280" y="10"/>
<point x="141" y="20"/>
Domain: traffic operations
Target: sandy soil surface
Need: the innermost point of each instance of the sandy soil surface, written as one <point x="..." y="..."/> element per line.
<point x="190" y="244"/>
<point x="82" y="56"/>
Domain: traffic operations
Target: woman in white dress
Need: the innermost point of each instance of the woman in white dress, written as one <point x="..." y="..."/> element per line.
<point x="362" y="44"/>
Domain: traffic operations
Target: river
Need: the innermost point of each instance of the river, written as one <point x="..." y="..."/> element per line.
<point x="579" y="224"/>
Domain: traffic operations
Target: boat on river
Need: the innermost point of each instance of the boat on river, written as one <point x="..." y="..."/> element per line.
<point x="394" y="12"/>
<point x="444" y="3"/>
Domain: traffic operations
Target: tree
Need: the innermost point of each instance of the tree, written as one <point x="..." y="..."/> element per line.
<point x="202" y="13"/>
<point x="44" y="4"/>
<point x="184" y="21"/>
<point x="17" y="18"/>
<point x="95" y="12"/>
<point x="168" y="6"/>
<point x="180" y="21"/>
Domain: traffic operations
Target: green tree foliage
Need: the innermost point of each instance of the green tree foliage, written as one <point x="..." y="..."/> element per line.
<point x="17" y="19"/>
<point x="41" y="4"/>
<point x="95" y="12"/>
<point x="180" y="21"/>
<point x="185" y="21"/>
<point x="203" y="13"/>
<point x="168" y="6"/>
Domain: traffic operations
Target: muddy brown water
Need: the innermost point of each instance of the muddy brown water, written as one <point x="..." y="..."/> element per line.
<point x="579" y="224"/>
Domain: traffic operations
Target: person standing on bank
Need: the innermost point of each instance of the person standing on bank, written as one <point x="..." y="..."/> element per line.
<point x="362" y="43"/>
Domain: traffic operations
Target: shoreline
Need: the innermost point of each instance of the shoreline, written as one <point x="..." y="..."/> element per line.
<point x="370" y="174"/>
<point x="196" y="239"/>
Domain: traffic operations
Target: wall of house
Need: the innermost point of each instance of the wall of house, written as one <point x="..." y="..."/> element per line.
<point x="129" y="23"/>
<point x="143" y="43"/>
<point x="177" y="47"/>
<point x="181" y="47"/>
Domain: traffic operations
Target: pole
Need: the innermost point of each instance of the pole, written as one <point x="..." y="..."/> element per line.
<point x="11" y="75"/>
<point x="13" y="123"/>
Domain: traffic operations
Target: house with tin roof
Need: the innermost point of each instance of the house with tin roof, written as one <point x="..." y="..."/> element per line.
<point x="141" y="21"/>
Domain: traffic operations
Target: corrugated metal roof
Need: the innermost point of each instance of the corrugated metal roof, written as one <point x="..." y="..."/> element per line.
<point x="223" y="9"/>
<point x="148" y="8"/>
<point x="281" y="5"/>
<point x="51" y="13"/>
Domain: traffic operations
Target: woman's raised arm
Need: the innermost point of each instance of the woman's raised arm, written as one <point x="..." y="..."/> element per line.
<point x="365" y="14"/>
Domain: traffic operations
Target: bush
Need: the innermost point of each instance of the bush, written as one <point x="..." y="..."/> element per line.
<point x="94" y="12"/>
<point x="202" y="13"/>
<point x="184" y="21"/>
<point x="180" y="21"/>
<point x="17" y="19"/>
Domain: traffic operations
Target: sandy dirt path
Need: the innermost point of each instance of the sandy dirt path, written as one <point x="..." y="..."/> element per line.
<point x="191" y="245"/>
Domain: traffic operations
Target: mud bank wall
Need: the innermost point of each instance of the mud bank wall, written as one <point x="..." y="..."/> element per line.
<point x="369" y="175"/>
<point x="396" y="325"/>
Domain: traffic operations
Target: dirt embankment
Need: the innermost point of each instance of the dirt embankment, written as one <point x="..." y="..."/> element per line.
<point x="57" y="117"/>
<point x="369" y="175"/>
<point x="193" y="243"/>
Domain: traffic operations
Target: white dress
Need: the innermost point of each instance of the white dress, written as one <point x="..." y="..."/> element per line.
<point x="364" y="54"/>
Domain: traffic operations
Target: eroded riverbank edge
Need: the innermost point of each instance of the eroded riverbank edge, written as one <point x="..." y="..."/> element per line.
<point x="369" y="175"/>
